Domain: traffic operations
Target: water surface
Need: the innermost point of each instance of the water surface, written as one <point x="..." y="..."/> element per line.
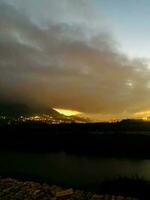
<point x="69" y="169"/>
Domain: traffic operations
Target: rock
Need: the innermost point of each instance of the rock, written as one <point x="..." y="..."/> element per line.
<point x="97" y="197"/>
<point x="79" y="195"/>
<point x="11" y="189"/>
<point x="107" y="197"/>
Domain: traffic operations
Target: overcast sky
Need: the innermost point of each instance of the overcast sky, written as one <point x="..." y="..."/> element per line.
<point x="86" y="55"/>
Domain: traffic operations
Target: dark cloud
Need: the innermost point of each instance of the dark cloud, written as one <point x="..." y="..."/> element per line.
<point x="69" y="62"/>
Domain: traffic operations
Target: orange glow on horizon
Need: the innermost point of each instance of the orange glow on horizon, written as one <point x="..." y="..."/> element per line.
<point x="145" y="115"/>
<point x="67" y="112"/>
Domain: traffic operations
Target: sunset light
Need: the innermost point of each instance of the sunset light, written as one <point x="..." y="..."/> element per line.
<point x="143" y="115"/>
<point x="67" y="112"/>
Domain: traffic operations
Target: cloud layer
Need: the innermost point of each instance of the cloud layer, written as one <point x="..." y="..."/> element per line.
<point x="63" y="54"/>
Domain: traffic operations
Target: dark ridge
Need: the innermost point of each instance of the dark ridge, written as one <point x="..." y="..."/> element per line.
<point x="111" y="140"/>
<point x="15" y="110"/>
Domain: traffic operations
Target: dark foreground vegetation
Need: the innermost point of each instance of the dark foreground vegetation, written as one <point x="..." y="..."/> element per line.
<point x="123" y="139"/>
<point x="27" y="190"/>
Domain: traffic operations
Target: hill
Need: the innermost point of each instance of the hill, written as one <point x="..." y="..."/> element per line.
<point x="12" y="112"/>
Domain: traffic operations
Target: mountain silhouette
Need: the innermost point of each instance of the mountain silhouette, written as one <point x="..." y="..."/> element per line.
<point x="16" y="110"/>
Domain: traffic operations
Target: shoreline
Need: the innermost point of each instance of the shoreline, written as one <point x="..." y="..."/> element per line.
<point x="18" y="190"/>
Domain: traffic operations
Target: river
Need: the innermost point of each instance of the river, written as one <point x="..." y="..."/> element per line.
<point x="70" y="169"/>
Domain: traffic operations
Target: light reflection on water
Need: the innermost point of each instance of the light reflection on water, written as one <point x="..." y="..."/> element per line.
<point x="69" y="169"/>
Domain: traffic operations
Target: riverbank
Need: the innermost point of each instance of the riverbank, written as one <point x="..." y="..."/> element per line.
<point x="102" y="140"/>
<point x="27" y="190"/>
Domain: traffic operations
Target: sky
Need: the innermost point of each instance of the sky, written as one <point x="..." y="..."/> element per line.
<point x="131" y="21"/>
<point x="89" y="56"/>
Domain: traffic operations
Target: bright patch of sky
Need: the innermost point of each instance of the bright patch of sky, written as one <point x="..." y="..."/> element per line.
<point x="131" y="21"/>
